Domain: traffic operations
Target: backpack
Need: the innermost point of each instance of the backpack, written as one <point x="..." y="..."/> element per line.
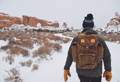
<point x="87" y="52"/>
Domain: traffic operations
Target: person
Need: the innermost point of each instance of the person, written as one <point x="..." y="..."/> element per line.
<point x="89" y="66"/>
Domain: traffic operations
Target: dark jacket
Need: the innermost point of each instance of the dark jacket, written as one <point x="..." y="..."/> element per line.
<point x="96" y="72"/>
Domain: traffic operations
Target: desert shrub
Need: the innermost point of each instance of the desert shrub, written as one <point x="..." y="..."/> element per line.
<point x="26" y="63"/>
<point x="35" y="67"/>
<point x="13" y="76"/>
<point x="53" y="37"/>
<point x="66" y="40"/>
<point x="17" y="50"/>
<point x="57" y="46"/>
<point x="44" y="50"/>
<point x="14" y="50"/>
<point x="47" y="43"/>
<point x="10" y="59"/>
<point x="6" y="47"/>
<point x="22" y="42"/>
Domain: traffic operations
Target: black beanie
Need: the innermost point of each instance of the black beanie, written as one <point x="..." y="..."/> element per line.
<point x="88" y="21"/>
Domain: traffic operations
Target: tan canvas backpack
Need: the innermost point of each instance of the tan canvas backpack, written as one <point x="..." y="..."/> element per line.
<point x="87" y="52"/>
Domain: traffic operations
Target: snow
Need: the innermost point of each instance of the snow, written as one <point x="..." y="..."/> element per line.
<point x="114" y="49"/>
<point x="113" y="28"/>
<point x="3" y="43"/>
<point x="23" y="27"/>
<point x="51" y="70"/>
<point x="73" y="14"/>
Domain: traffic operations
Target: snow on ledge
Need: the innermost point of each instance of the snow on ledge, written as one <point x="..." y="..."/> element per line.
<point x="23" y="27"/>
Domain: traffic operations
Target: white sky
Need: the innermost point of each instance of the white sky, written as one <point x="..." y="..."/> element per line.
<point x="70" y="11"/>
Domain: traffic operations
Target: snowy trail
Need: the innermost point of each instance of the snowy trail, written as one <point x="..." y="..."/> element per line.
<point x="52" y="70"/>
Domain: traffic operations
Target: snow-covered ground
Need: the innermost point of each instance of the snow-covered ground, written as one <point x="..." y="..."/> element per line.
<point x="52" y="69"/>
<point x="23" y="27"/>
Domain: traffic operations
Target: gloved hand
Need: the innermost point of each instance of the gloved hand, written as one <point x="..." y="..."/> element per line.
<point x="66" y="74"/>
<point x="107" y="75"/>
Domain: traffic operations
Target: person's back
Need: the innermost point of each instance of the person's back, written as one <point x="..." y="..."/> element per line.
<point x="85" y="56"/>
<point x="88" y="51"/>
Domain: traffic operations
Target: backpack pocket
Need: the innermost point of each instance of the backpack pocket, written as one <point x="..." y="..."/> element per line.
<point x="88" y="59"/>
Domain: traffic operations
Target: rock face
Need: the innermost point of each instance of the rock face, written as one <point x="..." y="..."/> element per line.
<point x="5" y="23"/>
<point x="6" y="20"/>
<point x="33" y="21"/>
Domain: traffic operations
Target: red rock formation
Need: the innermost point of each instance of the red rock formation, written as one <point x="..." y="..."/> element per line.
<point x="25" y="20"/>
<point x="43" y="22"/>
<point x="6" y="20"/>
<point x="33" y="21"/>
<point x="5" y="23"/>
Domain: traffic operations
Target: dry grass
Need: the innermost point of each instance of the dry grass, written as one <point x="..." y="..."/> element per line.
<point x="13" y="76"/>
<point x="112" y="37"/>
<point x="66" y="40"/>
<point x="35" y="67"/>
<point x="44" y="50"/>
<point x="10" y="59"/>
<point x="53" y="37"/>
<point x="47" y="43"/>
<point x="27" y="63"/>
<point x="21" y="41"/>
<point x="57" y="47"/>
<point x="47" y="48"/>
<point x="17" y="50"/>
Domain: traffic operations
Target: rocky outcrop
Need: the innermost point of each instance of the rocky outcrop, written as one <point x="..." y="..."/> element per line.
<point x="33" y="21"/>
<point x="7" y="21"/>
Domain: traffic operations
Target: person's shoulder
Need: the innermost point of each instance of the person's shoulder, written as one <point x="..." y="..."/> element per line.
<point x="76" y="37"/>
<point x="101" y="39"/>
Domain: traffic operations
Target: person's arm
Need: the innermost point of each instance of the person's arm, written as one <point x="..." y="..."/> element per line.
<point x="69" y="59"/>
<point x="107" y="62"/>
<point x="106" y="57"/>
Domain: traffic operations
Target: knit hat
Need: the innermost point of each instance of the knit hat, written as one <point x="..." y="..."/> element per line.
<point x="88" y="21"/>
<point x="89" y="17"/>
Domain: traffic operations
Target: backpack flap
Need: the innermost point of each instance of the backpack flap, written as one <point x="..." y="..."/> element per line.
<point x="87" y="51"/>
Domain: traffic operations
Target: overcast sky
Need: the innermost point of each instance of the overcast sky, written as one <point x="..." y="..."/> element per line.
<point x="70" y="11"/>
